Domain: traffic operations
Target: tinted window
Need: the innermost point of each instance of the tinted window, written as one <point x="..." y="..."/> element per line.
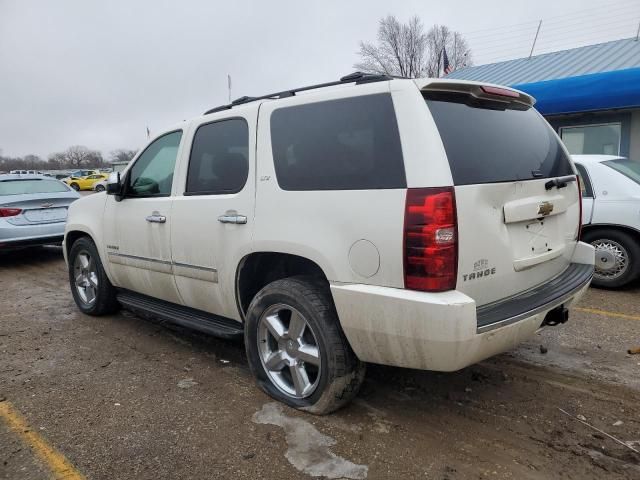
<point x="585" y="182"/>
<point x="152" y="174"/>
<point x="629" y="168"/>
<point x="17" y="187"/>
<point x="346" y="144"/>
<point x="486" y="146"/>
<point x="219" y="161"/>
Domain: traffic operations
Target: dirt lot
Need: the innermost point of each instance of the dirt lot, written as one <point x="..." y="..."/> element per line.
<point x="120" y="397"/>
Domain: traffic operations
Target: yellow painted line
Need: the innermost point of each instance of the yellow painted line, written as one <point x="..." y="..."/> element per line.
<point x="60" y="467"/>
<point x="607" y="313"/>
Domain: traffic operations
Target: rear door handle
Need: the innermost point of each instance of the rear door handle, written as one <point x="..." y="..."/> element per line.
<point x="155" y="217"/>
<point x="232" y="218"/>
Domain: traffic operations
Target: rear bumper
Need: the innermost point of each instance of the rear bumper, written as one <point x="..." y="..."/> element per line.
<point x="441" y="331"/>
<point x="27" y="235"/>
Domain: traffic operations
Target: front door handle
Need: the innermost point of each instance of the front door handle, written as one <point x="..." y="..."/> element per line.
<point x="232" y="217"/>
<point x="155" y="217"/>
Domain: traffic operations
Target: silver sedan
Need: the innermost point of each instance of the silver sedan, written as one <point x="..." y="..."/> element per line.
<point x="33" y="210"/>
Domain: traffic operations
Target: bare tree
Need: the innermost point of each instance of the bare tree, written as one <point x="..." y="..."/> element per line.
<point x="400" y="49"/>
<point x="439" y="39"/>
<point x="121" y="155"/>
<point x="77" y="156"/>
<point x="406" y="50"/>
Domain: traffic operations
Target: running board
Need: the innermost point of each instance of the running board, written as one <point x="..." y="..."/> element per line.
<point x="184" y="316"/>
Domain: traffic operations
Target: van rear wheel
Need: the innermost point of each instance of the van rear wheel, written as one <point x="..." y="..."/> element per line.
<point x="617" y="257"/>
<point x="296" y="349"/>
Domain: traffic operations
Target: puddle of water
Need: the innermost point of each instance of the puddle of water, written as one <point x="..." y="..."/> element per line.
<point x="308" y="448"/>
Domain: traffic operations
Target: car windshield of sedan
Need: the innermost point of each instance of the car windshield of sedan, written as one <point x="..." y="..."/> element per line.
<point x="629" y="168"/>
<point x="31" y="185"/>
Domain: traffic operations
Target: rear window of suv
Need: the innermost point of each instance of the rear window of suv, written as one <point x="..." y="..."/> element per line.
<point x="345" y="144"/>
<point x="488" y="146"/>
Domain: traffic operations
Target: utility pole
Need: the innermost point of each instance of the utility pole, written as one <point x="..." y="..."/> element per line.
<point x="638" y="32"/>
<point x="535" y="39"/>
<point x="229" y="86"/>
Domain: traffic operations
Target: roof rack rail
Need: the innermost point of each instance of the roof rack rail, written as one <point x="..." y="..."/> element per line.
<point x="355" y="77"/>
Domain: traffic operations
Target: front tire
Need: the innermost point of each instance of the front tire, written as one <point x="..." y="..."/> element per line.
<point x="617" y="257"/>
<point x="90" y="286"/>
<point x="75" y="186"/>
<point x="296" y="349"/>
<point x="99" y="188"/>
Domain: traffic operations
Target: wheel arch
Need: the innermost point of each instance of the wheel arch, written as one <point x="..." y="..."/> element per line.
<point x="612" y="226"/>
<point x="258" y="269"/>
<point x="72" y="235"/>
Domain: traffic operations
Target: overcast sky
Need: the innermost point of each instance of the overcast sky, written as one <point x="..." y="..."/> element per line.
<point x="96" y="73"/>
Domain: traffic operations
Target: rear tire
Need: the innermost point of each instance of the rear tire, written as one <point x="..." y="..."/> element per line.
<point x="311" y="364"/>
<point x="90" y="286"/>
<point x="617" y="257"/>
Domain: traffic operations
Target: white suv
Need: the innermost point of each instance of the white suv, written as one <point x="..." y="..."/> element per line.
<point x="419" y="223"/>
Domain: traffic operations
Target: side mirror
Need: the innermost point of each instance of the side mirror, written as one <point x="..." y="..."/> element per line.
<point x="114" y="184"/>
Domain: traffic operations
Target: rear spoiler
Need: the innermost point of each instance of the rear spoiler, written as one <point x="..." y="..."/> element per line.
<point x="492" y="96"/>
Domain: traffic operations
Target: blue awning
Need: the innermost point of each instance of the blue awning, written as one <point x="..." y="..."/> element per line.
<point x="586" y="93"/>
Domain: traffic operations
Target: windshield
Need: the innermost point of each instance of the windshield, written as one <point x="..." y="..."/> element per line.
<point x="487" y="145"/>
<point x="32" y="185"/>
<point x="629" y="168"/>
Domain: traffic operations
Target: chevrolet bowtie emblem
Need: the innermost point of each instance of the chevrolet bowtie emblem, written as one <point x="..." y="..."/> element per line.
<point x="545" y="208"/>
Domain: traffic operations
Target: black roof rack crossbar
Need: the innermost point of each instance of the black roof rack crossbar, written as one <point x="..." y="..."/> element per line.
<point x="356" y="77"/>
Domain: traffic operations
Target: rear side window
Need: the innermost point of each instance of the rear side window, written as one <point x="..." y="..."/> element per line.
<point x="346" y="144"/>
<point x="219" y="161"/>
<point x="629" y="168"/>
<point x="18" y="187"/>
<point x="585" y="182"/>
<point x="489" y="146"/>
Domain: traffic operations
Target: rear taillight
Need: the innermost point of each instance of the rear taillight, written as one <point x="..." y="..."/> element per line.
<point x="430" y="239"/>
<point x="579" y="235"/>
<point x="9" y="212"/>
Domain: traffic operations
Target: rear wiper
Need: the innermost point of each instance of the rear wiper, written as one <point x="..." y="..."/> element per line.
<point x="559" y="182"/>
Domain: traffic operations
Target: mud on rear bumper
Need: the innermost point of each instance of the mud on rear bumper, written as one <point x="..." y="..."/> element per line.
<point x="441" y="331"/>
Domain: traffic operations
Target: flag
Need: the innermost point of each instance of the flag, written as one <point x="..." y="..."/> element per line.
<point x="148" y="132"/>
<point x="448" y="68"/>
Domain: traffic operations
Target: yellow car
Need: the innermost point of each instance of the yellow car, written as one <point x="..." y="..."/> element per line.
<point x="86" y="182"/>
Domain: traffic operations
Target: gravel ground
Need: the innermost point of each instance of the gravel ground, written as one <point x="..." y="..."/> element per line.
<point x="123" y="397"/>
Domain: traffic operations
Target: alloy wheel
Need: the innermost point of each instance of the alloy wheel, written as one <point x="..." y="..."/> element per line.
<point x="289" y="351"/>
<point x="86" y="277"/>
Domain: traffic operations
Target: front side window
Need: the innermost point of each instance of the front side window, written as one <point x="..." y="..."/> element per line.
<point x="592" y="139"/>
<point x="152" y="174"/>
<point x="219" y="161"/>
<point x="346" y="144"/>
